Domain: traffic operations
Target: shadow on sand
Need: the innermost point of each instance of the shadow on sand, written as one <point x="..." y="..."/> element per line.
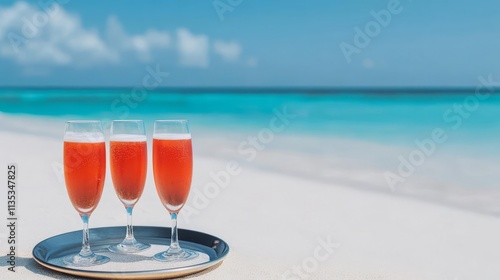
<point x="31" y="265"/>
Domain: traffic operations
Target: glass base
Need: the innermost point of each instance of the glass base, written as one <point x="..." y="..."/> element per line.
<point x="81" y="261"/>
<point x="183" y="255"/>
<point x="129" y="247"/>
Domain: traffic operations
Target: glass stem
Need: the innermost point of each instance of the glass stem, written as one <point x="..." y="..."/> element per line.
<point x="130" y="231"/>
<point x="174" y="241"/>
<point x="85" y="252"/>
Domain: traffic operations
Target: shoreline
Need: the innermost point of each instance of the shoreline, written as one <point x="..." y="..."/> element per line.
<point x="328" y="171"/>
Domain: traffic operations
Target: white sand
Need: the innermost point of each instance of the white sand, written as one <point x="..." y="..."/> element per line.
<point x="272" y="221"/>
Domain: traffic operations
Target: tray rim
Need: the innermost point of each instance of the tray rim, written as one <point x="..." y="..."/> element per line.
<point x="139" y="274"/>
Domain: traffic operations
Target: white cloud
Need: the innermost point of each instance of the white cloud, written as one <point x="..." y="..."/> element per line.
<point x="9" y="15"/>
<point x="229" y="51"/>
<point x="114" y="31"/>
<point x="143" y="45"/>
<point x="34" y="37"/>
<point x="31" y="36"/>
<point x="193" y="49"/>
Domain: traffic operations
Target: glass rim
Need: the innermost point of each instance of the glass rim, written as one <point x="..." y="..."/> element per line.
<point x="83" y="121"/>
<point x="181" y="120"/>
<point x="127" y="121"/>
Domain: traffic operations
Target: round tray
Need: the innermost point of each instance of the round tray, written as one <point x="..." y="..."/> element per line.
<point x="49" y="253"/>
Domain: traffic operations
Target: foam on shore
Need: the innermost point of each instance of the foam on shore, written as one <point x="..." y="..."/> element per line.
<point x="172" y="136"/>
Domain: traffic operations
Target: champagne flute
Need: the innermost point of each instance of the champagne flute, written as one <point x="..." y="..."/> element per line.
<point x="128" y="160"/>
<point x="173" y="168"/>
<point x="84" y="174"/>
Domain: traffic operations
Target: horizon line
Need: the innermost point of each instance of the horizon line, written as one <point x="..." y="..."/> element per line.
<point x="273" y="89"/>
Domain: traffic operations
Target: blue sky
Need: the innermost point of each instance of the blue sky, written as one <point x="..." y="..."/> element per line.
<point x="252" y="43"/>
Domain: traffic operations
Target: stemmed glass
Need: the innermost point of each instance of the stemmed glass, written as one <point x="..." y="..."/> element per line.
<point x="84" y="174"/>
<point x="128" y="160"/>
<point x="173" y="168"/>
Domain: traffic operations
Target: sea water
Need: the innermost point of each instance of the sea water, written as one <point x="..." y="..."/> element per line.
<point x="346" y="132"/>
<point x="397" y="119"/>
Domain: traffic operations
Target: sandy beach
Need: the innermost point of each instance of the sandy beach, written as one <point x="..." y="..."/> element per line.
<point x="333" y="140"/>
<point x="278" y="225"/>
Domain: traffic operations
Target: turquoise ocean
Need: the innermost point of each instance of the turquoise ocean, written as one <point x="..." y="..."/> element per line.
<point x="387" y="124"/>
<point x="388" y="118"/>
